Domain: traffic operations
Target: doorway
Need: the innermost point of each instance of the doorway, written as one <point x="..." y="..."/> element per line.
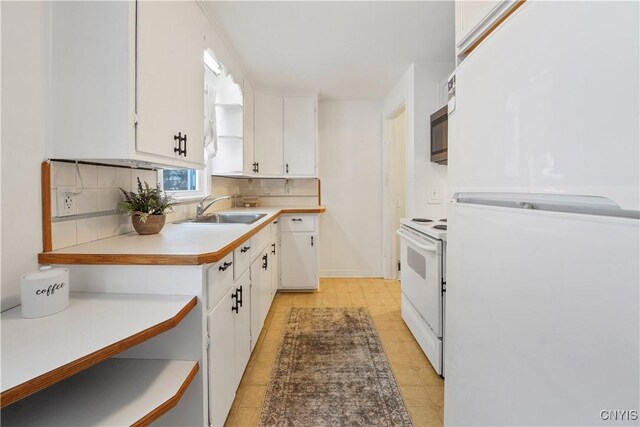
<point x="397" y="183"/>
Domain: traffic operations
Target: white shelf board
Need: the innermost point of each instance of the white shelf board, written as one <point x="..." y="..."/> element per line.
<point x="116" y="392"/>
<point x="93" y="322"/>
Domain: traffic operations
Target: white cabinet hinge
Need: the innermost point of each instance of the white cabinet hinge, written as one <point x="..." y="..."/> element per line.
<point x="135" y="118"/>
<point x="208" y="341"/>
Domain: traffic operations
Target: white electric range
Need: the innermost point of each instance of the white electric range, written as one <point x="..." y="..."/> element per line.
<point x="423" y="284"/>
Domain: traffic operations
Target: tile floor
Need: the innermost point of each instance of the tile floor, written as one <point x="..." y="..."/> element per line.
<point x="421" y="387"/>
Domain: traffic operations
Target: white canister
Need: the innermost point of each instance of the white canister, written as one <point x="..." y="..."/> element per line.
<point x="44" y="292"/>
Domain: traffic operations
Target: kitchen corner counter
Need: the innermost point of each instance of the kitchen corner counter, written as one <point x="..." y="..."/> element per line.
<point x="177" y="244"/>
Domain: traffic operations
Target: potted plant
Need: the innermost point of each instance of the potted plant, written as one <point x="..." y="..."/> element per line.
<point x="147" y="208"/>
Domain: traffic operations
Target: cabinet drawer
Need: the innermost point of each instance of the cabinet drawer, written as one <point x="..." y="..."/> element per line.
<point x="259" y="241"/>
<point x="219" y="280"/>
<point x="294" y="223"/>
<point x="241" y="259"/>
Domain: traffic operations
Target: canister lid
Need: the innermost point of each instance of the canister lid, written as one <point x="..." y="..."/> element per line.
<point x="44" y="272"/>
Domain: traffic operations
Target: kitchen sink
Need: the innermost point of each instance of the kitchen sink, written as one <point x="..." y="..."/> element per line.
<point x="224" y="218"/>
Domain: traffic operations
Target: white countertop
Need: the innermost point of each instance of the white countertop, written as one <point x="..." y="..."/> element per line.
<point x="194" y="243"/>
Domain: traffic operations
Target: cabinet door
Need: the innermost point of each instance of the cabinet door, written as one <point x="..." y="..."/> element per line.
<point x="170" y="80"/>
<point x="255" y="316"/>
<point x="243" y="325"/>
<point x="222" y="355"/>
<point x="268" y="137"/>
<point x="274" y="266"/>
<point x="248" y="142"/>
<point x="299" y="262"/>
<point x="265" y="283"/>
<point x="300" y="136"/>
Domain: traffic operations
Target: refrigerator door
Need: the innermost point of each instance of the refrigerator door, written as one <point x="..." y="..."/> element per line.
<point x="550" y="103"/>
<point x="542" y="316"/>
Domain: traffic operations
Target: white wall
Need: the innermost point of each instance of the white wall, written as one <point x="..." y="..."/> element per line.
<point x="350" y="170"/>
<point x="418" y="92"/>
<point x="426" y="101"/>
<point x="24" y="50"/>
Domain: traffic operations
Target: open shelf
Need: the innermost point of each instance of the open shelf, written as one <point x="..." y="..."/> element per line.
<point x="37" y="353"/>
<point x="116" y="392"/>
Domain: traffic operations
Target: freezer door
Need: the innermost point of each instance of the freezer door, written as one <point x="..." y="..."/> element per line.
<point x="542" y="316"/>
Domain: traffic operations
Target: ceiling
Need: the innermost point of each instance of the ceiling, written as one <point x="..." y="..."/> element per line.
<point x="343" y="50"/>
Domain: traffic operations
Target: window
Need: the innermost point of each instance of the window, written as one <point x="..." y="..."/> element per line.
<point x="179" y="180"/>
<point x="185" y="183"/>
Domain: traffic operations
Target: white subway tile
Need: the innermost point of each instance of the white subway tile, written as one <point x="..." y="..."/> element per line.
<point x="63" y="234"/>
<point x="87" y="230"/>
<point x="108" y="199"/>
<point x="123" y="178"/>
<point x="107" y="226"/>
<point x="106" y="177"/>
<point x="63" y="174"/>
<point x="89" y="175"/>
<point x="87" y="201"/>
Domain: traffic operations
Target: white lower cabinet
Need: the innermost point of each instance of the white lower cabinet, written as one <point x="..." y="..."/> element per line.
<point x="299" y="252"/>
<point x="260" y="293"/>
<point x="222" y="359"/>
<point x="229" y="331"/>
<point x="243" y="324"/>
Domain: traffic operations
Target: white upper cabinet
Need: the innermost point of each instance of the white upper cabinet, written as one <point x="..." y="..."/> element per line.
<point x="170" y="81"/>
<point x="248" y="147"/>
<point x="279" y="137"/>
<point x="268" y="137"/>
<point x="127" y="85"/>
<point x="300" y="136"/>
<point x="477" y="19"/>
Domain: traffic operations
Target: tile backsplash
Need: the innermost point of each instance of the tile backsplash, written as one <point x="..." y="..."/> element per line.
<point x="94" y="214"/>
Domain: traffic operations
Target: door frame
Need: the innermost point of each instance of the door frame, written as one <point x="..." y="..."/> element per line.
<point x="389" y="267"/>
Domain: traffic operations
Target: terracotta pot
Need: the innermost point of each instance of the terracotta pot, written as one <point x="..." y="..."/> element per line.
<point x="153" y="225"/>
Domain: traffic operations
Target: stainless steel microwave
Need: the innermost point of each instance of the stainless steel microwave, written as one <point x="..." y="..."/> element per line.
<point x="439" y="136"/>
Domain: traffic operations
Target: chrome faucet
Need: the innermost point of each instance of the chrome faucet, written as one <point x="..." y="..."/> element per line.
<point x="200" y="210"/>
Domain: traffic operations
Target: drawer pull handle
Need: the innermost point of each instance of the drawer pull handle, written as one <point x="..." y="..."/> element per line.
<point x="296" y="219"/>
<point x="239" y="295"/>
<point x="224" y="266"/>
<point x="245" y="249"/>
<point x="265" y="261"/>
<point x="273" y="250"/>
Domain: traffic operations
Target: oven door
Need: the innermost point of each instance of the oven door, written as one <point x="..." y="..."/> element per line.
<point x="421" y="276"/>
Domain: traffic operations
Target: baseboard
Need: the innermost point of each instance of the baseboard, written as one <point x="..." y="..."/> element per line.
<point x="350" y="273"/>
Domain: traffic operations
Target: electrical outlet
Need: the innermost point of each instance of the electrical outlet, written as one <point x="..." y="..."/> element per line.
<point x="66" y="199"/>
<point x="434" y="195"/>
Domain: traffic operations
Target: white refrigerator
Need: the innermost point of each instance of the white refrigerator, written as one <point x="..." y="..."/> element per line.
<point x="544" y="239"/>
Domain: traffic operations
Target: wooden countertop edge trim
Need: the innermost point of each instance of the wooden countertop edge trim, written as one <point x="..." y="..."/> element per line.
<point x="169" y="404"/>
<point x="151" y="259"/>
<point x="47" y="379"/>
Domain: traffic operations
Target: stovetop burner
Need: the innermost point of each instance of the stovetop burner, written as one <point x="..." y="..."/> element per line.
<point x="440" y="227"/>
<point x="421" y="220"/>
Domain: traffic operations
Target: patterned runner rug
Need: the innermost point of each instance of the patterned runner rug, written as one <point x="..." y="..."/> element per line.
<point x="331" y="370"/>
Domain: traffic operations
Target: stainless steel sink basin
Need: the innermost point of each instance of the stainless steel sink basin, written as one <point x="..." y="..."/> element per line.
<point x="224" y="218"/>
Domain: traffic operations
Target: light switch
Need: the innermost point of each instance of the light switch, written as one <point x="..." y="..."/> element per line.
<point x="434" y="193"/>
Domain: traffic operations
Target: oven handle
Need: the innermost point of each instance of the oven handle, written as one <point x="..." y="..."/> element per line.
<point x="432" y="248"/>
